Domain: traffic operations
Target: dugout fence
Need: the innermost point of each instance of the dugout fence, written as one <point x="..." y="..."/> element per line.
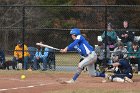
<point x="52" y="23"/>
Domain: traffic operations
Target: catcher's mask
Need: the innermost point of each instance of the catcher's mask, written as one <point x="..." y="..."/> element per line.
<point x="119" y="54"/>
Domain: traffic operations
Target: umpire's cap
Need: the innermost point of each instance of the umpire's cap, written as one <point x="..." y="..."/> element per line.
<point x="75" y="31"/>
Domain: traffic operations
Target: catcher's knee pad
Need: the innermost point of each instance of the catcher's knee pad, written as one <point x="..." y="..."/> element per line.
<point x="117" y="79"/>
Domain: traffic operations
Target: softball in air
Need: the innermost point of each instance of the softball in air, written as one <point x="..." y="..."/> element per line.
<point x="23" y="77"/>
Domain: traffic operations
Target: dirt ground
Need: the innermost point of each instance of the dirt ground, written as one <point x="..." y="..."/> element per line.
<point x="49" y="82"/>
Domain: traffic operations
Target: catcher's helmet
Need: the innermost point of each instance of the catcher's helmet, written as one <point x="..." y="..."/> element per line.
<point x="75" y="31"/>
<point x="119" y="54"/>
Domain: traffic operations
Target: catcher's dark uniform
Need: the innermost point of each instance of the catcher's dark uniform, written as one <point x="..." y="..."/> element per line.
<point x="124" y="69"/>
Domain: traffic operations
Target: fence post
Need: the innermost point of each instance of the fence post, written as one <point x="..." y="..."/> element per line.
<point x="23" y="30"/>
<point x="106" y="32"/>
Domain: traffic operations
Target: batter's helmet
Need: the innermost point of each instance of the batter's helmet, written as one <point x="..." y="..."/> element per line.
<point x="75" y="31"/>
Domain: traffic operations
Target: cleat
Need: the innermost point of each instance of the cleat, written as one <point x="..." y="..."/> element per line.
<point x="70" y="81"/>
<point x="126" y="79"/>
<point x="104" y="81"/>
<point x="67" y="82"/>
<point x="138" y="72"/>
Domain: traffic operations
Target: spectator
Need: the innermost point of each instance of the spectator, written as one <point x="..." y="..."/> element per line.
<point x="120" y="47"/>
<point x="111" y="36"/>
<point x="32" y="51"/>
<point x="51" y="59"/>
<point x="126" y="36"/>
<point x="100" y="51"/>
<point x="134" y="55"/>
<point x="41" y="56"/>
<point x="18" y="55"/>
<point x="2" y="59"/>
<point x="139" y="42"/>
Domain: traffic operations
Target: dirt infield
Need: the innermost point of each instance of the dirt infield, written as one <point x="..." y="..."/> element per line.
<point x="47" y="82"/>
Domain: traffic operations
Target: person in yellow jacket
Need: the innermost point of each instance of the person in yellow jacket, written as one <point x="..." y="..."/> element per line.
<point x="18" y="55"/>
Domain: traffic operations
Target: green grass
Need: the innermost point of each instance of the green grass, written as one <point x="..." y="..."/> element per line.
<point x="67" y="59"/>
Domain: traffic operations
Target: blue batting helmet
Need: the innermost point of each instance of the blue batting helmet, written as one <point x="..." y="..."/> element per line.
<point x="75" y="31"/>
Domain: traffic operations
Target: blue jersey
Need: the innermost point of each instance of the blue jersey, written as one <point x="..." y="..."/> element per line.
<point x="39" y="53"/>
<point x="81" y="45"/>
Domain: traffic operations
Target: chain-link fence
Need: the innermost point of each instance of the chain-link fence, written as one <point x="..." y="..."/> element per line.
<point x="51" y="25"/>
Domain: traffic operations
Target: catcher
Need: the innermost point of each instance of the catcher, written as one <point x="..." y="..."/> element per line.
<point x="122" y="69"/>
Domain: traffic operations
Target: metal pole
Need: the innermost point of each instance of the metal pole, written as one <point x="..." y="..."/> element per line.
<point x="106" y="32"/>
<point x="23" y="31"/>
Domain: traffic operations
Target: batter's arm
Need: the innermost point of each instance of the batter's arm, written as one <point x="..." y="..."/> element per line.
<point x="64" y="50"/>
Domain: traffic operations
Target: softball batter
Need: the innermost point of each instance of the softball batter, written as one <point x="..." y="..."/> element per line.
<point x="86" y="51"/>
